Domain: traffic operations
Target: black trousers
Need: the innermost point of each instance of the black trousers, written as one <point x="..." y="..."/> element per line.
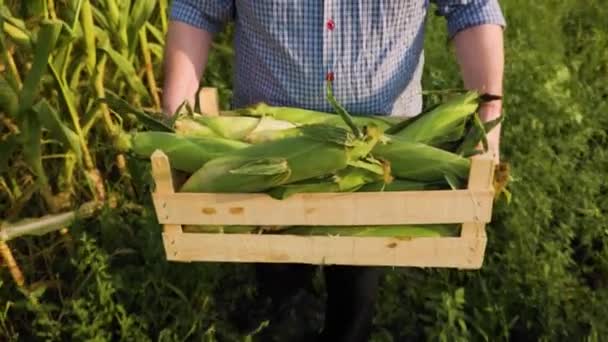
<point x="351" y="295"/>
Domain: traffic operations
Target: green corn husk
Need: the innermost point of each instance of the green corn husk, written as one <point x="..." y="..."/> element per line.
<point x="402" y="185"/>
<point x="442" y="124"/>
<point x="321" y="151"/>
<point x="300" y="116"/>
<point x="403" y="231"/>
<point x="347" y="180"/>
<point x="185" y="153"/>
<point x="188" y="126"/>
<point x="220" y="229"/>
<point x="262" y="136"/>
<point x="238" y="174"/>
<point x="229" y="127"/>
<point x="423" y="163"/>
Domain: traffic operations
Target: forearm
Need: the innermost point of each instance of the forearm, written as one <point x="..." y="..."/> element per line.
<point x="186" y="53"/>
<point x="479" y="51"/>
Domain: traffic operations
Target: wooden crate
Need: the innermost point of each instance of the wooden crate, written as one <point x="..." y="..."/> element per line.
<point x="471" y="207"/>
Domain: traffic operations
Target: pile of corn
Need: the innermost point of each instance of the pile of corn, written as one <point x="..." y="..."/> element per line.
<point x="283" y="151"/>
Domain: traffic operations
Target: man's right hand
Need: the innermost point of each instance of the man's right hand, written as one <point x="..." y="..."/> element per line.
<point x="186" y="54"/>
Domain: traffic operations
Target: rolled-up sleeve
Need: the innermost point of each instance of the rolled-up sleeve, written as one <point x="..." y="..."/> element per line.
<point x="462" y="14"/>
<point x="209" y="15"/>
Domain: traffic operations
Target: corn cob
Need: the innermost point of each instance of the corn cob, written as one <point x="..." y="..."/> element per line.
<point x="229" y="127"/>
<point x="420" y="162"/>
<point x="444" y="123"/>
<point x="185" y="153"/>
<point x="188" y="126"/>
<point x="346" y="180"/>
<point x="301" y="116"/>
<point x="267" y="165"/>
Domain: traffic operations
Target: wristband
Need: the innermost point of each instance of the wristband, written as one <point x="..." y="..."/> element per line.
<point x="490" y="97"/>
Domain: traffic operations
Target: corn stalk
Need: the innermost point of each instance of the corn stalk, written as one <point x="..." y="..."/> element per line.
<point x="13" y="268"/>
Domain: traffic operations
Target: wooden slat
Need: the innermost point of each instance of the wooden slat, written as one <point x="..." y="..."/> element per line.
<point x="412" y="207"/>
<point x="161" y="171"/>
<point x="209" y="101"/>
<point x="419" y="252"/>
<point x="481" y="173"/>
<point x="476" y="232"/>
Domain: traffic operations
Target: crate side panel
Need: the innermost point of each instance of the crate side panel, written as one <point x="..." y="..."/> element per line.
<point x="416" y="207"/>
<point x="365" y="251"/>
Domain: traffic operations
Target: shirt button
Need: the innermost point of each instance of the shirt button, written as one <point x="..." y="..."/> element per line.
<point x="330" y="24"/>
<point x="329" y="76"/>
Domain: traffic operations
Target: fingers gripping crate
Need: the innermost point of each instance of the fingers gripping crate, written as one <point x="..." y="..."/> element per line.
<point x="471" y="207"/>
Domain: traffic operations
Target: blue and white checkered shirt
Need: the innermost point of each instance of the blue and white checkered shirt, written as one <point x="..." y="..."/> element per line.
<point x="285" y="49"/>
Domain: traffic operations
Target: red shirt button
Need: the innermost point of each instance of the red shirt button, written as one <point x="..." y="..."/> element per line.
<point x="330" y="24"/>
<point x="329" y="76"/>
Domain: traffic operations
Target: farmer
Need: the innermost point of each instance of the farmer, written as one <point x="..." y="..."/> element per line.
<point x="285" y="50"/>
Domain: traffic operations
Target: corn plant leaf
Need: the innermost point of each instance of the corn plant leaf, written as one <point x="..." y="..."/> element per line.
<point x="30" y="139"/>
<point x="156" y="50"/>
<point x="101" y="19"/>
<point x="47" y="38"/>
<point x="126" y="68"/>
<point x="123" y="108"/>
<point x="16" y="30"/>
<point x="88" y="29"/>
<point x="342" y="111"/>
<point x="7" y="147"/>
<point x="66" y="95"/>
<point x="140" y="13"/>
<point x="8" y="98"/>
<point x="51" y="121"/>
<point x="124" y="17"/>
<point x="36" y="8"/>
<point x="156" y="33"/>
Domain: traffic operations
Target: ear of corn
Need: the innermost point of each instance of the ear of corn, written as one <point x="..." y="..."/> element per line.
<point x="346" y="180"/>
<point x="229" y="127"/>
<point x="238" y="174"/>
<point x="188" y="126"/>
<point x="260" y="136"/>
<point x="420" y="162"/>
<point x="300" y="116"/>
<point x="331" y="149"/>
<point x="185" y="154"/>
<point x="444" y="123"/>
<point x="222" y="175"/>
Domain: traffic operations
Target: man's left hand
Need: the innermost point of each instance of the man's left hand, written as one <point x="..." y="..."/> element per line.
<point x="487" y="112"/>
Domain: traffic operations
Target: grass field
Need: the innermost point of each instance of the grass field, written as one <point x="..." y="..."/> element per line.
<point x="545" y="276"/>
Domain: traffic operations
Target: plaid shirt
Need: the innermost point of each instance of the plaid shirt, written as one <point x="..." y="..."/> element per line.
<point x="373" y="50"/>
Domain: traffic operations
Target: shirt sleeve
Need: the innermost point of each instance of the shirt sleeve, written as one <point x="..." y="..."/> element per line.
<point x="462" y="14"/>
<point x="209" y="15"/>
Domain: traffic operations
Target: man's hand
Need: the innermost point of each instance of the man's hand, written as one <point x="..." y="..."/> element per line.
<point x="490" y="111"/>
